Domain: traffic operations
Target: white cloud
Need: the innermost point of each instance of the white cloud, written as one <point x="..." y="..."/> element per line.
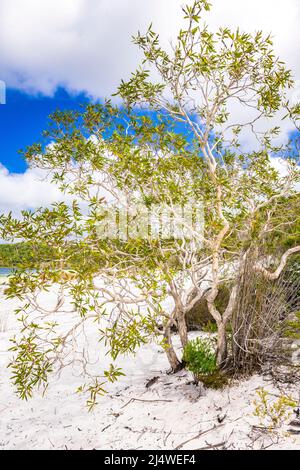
<point x="26" y="191"/>
<point x="86" y="44"/>
<point x="282" y="20"/>
<point x="81" y="44"/>
<point x="281" y="166"/>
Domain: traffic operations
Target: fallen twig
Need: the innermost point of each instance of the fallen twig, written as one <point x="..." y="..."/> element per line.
<point x="166" y="438"/>
<point x="106" y="427"/>
<point x="198" y="435"/>
<point x="212" y="446"/>
<point x="146" y="401"/>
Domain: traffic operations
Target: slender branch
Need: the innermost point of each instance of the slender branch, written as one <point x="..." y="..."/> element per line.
<point x="272" y="276"/>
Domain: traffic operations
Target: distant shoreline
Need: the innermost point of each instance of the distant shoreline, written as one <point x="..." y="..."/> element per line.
<point x="5" y="272"/>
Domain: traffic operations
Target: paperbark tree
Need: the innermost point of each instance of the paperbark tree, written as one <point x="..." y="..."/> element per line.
<point x="200" y="82"/>
<point x="176" y="139"/>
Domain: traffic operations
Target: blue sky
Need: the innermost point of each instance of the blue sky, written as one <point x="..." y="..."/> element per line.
<point x="23" y="119"/>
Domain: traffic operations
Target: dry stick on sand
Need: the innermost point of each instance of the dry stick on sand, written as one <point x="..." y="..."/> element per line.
<point x="199" y="435"/>
<point x="205" y="432"/>
<point x="146" y="401"/>
<point x="213" y="446"/>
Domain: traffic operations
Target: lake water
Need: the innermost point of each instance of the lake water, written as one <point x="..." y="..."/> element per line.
<point x="5" y="272"/>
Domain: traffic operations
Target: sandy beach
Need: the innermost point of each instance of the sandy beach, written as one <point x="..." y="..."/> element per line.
<point x="169" y="412"/>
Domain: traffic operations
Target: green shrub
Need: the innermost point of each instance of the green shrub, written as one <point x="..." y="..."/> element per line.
<point x="272" y="413"/>
<point x="199" y="357"/>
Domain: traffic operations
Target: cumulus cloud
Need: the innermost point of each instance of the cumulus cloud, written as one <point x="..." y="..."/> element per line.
<point x="28" y="190"/>
<point x="86" y="44"/>
<point x="79" y="44"/>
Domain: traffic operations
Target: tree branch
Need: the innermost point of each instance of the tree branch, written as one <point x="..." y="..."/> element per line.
<point x="272" y="276"/>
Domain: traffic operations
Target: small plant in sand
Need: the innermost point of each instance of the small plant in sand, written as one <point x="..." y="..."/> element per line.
<point x="200" y="358"/>
<point x="272" y="413"/>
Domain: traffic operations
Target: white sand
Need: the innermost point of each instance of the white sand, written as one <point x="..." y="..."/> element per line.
<point x="169" y="414"/>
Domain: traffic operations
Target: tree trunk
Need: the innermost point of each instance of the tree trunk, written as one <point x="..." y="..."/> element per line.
<point x="222" y="344"/>
<point x="182" y="328"/>
<point x="174" y="362"/>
